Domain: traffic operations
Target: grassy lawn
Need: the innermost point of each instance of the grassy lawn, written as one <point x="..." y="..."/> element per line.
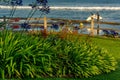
<point x="111" y="44"/>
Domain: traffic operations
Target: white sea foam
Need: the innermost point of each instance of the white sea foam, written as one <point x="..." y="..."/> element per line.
<point x="18" y="7"/>
<point x="87" y="8"/>
<point x="66" y="8"/>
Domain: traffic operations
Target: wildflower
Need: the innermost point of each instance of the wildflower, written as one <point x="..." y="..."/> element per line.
<point x="16" y="2"/>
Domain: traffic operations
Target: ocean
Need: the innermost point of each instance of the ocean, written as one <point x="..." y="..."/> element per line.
<point x="109" y="10"/>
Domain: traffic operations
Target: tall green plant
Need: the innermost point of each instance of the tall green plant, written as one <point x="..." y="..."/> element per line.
<point x="80" y="59"/>
<point x="14" y="55"/>
<point x="23" y="56"/>
<point x="26" y="56"/>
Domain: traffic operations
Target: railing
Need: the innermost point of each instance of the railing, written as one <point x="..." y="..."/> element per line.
<point x="48" y="21"/>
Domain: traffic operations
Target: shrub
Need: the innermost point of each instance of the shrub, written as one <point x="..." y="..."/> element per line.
<point x="26" y="56"/>
<point x="80" y="59"/>
<point x="17" y="55"/>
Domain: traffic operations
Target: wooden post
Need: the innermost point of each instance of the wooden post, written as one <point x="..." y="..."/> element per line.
<point x="4" y="20"/>
<point x="98" y="29"/>
<point x="45" y="23"/>
<point x="44" y="33"/>
<point x="92" y="26"/>
<point x="98" y="18"/>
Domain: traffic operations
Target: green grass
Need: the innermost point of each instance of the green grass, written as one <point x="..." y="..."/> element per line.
<point x="111" y="44"/>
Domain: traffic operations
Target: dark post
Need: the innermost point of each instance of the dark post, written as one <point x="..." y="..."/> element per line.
<point x="4" y="21"/>
<point x="98" y="18"/>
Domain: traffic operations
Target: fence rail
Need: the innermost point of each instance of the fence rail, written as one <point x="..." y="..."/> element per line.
<point x="65" y="20"/>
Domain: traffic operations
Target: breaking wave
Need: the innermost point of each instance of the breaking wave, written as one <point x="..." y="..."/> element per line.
<point x="66" y="8"/>
<point x="18" y="7"/>
<point x="87" y="8"/>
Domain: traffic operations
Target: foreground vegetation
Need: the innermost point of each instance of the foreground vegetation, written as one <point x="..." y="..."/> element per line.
<point x="110" y="44"/>
<point x="28" y="56"/>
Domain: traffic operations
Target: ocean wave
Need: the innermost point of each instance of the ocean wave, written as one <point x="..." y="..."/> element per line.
<point x="18" y="7"/>
<point x="66" y="8"/>
<point x="87" y="8"/>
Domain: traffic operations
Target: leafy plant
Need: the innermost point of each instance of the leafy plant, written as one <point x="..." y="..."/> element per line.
<point x="27" y="56"/>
